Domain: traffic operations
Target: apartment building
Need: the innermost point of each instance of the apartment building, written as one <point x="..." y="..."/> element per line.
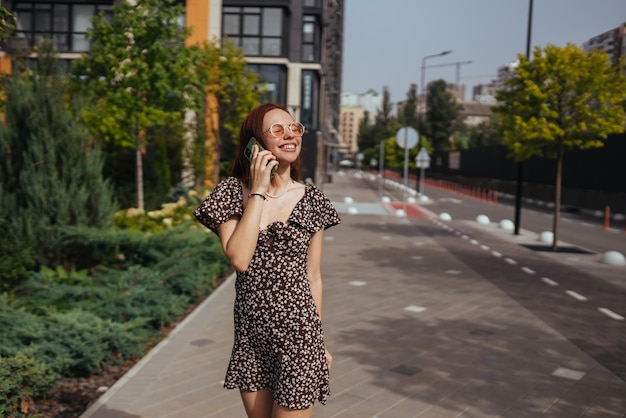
<point x="613" y="42"/>
<point x="295" y="46"/>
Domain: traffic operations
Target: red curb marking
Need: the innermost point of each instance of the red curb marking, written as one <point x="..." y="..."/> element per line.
<point x="411" y="210"/>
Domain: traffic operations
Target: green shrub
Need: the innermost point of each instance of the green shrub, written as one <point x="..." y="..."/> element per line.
<point x="15" y="259"/>
<point x="22" y="378"/>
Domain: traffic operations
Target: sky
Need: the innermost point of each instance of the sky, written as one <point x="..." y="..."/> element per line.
<point x="385" y="41"/>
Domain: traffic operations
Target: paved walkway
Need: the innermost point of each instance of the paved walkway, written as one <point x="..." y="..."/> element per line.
<point x="421" y="323"/>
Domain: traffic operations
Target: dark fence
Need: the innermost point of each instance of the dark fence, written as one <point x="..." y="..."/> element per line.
<point x="592" y="179"/>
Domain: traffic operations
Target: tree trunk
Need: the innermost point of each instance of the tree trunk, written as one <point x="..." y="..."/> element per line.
<point x="557" y="200"/>
<point x="138" y="171"/>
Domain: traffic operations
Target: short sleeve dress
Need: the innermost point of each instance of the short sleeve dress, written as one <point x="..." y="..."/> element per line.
<point x="278" y="333"/>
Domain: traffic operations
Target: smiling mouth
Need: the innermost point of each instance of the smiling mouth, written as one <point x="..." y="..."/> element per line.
<point x="288" y="147"/>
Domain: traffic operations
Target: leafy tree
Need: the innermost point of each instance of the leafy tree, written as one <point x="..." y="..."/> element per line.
<point x="139" y="76"/>
<point x="233" y="90"/>
<point x="7" y="23"/>
<point x="563" y="99"/>
<point x="441" y="115"/>
<point x="50" y="170"/>
<point x="384" y="127"/>
<point x="485" y="134"/>
<point x="408" y="115"/>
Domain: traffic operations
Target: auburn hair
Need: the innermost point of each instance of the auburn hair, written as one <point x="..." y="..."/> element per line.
<point x="252" y="126"/>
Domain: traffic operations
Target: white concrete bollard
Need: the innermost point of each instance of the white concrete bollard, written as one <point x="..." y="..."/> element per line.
<point x="614" y="258"/>
<point x="507" y="225"/>
<point x="546" y="236"/>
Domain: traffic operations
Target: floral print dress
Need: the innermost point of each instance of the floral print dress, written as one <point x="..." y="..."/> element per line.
<point x="278" y="333"/>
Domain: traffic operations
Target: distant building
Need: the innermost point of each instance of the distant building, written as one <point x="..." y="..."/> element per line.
<point x="371" y="101"/>
<point x="484" y="93"/>
<point x="296" y="47"/>
<point x="613" y="42"/>
<point x="350" y="120"/>
<point x="353" y="109"/>
<point x="504" y="73"/>
<point x="475" y="113"/>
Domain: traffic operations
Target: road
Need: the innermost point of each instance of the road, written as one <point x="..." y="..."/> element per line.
<point x="571" y="290"/>
<point x="582" y="231"/>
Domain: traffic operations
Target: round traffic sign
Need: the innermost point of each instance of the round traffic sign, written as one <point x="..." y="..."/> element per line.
<point x="408" y="136"/>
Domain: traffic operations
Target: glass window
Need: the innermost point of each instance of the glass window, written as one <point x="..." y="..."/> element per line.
<point x="65" y="23"/>
<point x="251" y="46"/>
<point x="310" y="39"/>
<point x="272" y="22"/>
<point x="82" y="17"/>
<point x="24" y="21"/>
<point x="251" y="25"/>
<point x="60" y="17"/>
<point x="258" y="30"/>
<point x="308" y="32"/>
<point x="308" y="53"/>
<point x="274" y="77"/>
<point x="271" y="47"/>
<point x="311" y="3"/>
<point x="231" y="25"/>
<point x="310" y="98"/>
<point x="43" y="18"/>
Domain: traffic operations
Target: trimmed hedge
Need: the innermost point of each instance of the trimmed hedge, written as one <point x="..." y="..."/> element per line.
<point x="120" y="289"/>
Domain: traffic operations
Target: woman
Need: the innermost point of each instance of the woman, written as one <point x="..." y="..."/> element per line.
<point x="270" y="226"/>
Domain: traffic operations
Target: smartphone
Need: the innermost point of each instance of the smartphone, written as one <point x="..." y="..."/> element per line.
<point x="248" y="152"/>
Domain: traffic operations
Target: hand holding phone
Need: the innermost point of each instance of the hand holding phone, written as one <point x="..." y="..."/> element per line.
<point x="249" y="152"/>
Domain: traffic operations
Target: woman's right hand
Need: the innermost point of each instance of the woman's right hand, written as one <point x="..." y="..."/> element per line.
<point x="261" y="169"/>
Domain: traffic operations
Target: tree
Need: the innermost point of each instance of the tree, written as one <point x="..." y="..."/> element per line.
<point x="139" y="76"/>
<point x="50" y="169"/>
<point x="441" y="115"/>
<point x="408" y="115"/>
<point x="563" y="99"/>
<point x="235" y="89"/>
<point x="384" y="127"/>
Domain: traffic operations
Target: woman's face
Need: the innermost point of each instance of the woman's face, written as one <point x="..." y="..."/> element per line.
<point x="282" y="136"/>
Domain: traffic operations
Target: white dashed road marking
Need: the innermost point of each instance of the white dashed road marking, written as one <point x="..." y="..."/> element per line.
<point x="549" y="281"/>
<point x="611" y="314"/>
<point x="576" y="296"/>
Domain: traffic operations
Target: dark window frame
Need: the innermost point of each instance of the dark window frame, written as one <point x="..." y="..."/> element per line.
<point x="311" y="47"/>
<point x="256" y="42"/>
<point x="46" y="9"/>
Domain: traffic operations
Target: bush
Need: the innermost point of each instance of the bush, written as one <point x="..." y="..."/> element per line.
<point x="109" y="295"/>
<point x="15" y="259"/>
<point x="22" y="378"/>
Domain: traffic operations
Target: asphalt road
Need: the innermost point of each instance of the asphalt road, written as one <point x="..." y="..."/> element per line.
<point x="571" y="290"/>
<point x="578" y="229"/>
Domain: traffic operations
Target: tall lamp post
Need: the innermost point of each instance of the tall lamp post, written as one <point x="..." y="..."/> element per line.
<point x="520" y="166"/>
<point x="423" y="102"/>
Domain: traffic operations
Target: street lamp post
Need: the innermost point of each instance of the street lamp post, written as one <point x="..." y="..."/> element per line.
<point x="423" y="102"/>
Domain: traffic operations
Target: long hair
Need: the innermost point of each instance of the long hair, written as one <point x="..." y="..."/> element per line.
<point x="252" y="126"/>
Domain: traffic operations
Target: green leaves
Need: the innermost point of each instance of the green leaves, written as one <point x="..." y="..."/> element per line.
<point x="139" y="73"/>
<point x="562" y="99"/>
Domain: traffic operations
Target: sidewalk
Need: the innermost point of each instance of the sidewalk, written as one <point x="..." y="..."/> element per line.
<point x="414" y="332"/>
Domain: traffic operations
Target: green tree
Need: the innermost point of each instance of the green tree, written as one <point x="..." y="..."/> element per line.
<point x="563" y="99"/>
<point x="408" y="115"/>
<point x="485" y="134"/>
<point x="139" y="76"/>
<point x="441" y="115"/>
<point x="50" y="169"/>
<point x="236" y="90"/>
<point x="7" y="23"/>
<point x="385" y="125"/>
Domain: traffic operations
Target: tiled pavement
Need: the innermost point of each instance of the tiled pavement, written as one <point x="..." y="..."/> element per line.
<point x="424" y="319"/>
